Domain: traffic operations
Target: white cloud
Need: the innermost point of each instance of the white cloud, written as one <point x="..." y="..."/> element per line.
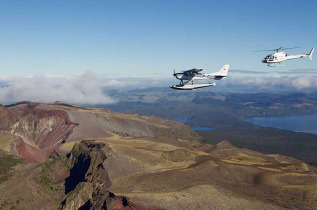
<point x="261" y="83"/>
<point x="305" y="82"/>
<point x="135" y="83"/>
<point x="302" y="71"/>
<point x="275" y="82"/>
<point x="118" y="84"/>
<point x="90" y="89"/>
<point x="83" y="89"/>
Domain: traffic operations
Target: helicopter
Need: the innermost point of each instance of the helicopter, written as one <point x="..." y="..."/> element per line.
<point x="193" y="75"/>
<point x="276" y="59"/>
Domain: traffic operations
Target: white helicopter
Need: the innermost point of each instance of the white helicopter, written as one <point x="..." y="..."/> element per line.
<point x="277" y="58"/>
<point x="192" y="75"/>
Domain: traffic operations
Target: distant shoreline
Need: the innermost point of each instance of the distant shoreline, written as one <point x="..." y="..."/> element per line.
<point x="297" y="122"/>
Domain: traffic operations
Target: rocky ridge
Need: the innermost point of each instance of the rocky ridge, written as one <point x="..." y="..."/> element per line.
<point x="86" y="185"/>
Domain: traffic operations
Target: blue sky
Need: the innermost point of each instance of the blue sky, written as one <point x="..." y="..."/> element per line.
<point x="150" y="38"/>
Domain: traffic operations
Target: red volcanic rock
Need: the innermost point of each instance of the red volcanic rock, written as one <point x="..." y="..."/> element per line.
<point x="40" y="131"/>
<point x="116" y="203"/>
<point x="60" y="131"/>
<point x="28" y="152"/>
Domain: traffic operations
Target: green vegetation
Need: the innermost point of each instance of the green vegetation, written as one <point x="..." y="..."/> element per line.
<point x="77" y="150"/>
<point x="179" y="155"/>
<point x="49" y="176"/>
<point x="45" y="179"/>
<point x="5" y="141"/>
<point x="7" y="163"/>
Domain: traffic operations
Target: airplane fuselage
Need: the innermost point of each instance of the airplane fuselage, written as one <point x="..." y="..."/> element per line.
<point x="199" y="76"/>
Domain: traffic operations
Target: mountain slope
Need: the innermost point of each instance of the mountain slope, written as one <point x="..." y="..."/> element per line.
<point x="42" y="128"/>
<point x="95" y="158"/>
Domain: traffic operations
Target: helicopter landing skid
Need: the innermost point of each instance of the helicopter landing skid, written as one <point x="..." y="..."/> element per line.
<point x="275" y="64"/>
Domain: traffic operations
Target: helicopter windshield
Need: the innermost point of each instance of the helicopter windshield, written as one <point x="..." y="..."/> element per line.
<point x="269" y="57"/>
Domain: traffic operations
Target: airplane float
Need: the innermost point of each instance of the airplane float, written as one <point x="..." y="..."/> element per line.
<point x="193" y="75"/>
<point x="276" y="59"/>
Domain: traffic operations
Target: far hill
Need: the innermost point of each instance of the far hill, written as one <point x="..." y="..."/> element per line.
<point x="224" y="112"/>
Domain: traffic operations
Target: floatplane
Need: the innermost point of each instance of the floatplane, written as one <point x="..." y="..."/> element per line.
<point x="188" y="78"/>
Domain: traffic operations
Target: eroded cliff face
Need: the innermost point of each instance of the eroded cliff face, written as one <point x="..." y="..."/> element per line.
<point x="87" y="183"/>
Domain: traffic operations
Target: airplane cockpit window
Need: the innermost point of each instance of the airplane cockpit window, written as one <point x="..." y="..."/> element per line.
<point x="192" y="73"/>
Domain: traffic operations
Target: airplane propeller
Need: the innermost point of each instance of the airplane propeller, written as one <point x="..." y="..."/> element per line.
<point x="174" y="73"/>
<point x="277" y="49"/>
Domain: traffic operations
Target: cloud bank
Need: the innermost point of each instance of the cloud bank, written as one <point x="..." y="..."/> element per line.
<point x="276" y="82"/>
<point x="301" y="71"/>
<point x="239" y="71"/>
<point x="138" y="83"/>
<point x="85" y="89"/>
<point x="90" y="89"/>
<point x="256" y="82"/>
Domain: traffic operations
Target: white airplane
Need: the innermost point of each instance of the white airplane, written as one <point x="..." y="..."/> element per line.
<point x="192" y="75"/>
<point x="277" y="58"/>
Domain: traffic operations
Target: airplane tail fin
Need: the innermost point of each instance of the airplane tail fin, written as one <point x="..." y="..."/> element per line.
<point x="310" y="55"/>
<point x="223" y="71"/>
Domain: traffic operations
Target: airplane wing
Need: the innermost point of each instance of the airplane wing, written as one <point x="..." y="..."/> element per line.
<point x="195" y="70"/>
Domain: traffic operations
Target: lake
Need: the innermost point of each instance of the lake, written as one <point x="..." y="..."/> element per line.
<point x="300" y="123"/>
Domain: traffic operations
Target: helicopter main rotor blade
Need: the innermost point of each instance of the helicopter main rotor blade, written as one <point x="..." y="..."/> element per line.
<point x="277" y="49"/>
<point x="289" y="48"/>
<point x="262" y="50"/>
